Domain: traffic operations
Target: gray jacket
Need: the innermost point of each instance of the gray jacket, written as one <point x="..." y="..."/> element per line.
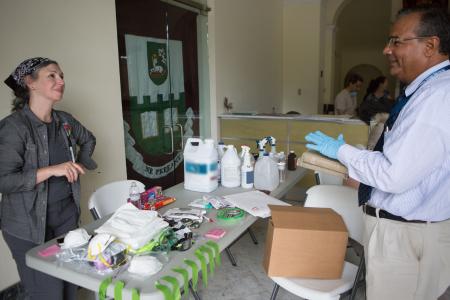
<point x="23" y="150"/>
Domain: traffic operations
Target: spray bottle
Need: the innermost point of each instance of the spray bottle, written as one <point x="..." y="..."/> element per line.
<point x="220" y="152"/>
<point x="247" y="174"/>
<point x="273" y="150"/>
<point x="261" y="147"/>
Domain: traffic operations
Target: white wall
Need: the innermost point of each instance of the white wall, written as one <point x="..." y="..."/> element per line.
<point x="81" y="36"/>
<point x="245" y="39"/>
<point x="301" y="55"/>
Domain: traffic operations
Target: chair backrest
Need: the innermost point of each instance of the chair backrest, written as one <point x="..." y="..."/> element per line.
<point x="110" y="197"/>
<point x="343" y="200"/>
<point x="325" y="178"/>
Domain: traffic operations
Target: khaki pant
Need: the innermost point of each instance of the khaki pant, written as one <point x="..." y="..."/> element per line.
<point x="406" y="260"/>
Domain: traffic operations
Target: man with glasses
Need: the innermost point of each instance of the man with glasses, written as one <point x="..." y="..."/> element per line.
<point x="405" y="182"/>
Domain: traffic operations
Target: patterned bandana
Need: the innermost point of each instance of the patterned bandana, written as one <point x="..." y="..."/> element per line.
<point x="17" y="78"/>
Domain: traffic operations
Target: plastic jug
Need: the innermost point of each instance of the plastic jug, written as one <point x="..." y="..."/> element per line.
<point x="230" y="168"/>
<point x="247" y="173"/>
<point x="200" y="165"/>
<point x="266" y="174"/>
<point x="221" y="152"/>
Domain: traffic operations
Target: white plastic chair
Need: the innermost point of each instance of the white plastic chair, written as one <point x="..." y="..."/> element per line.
<point x="344" y="201"/>
<point x="108" y="198"/>
<point x="325" y="178"/>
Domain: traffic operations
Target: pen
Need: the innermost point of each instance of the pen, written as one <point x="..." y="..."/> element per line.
<point x="208" y="219"/>
<point x="71" y="154"/>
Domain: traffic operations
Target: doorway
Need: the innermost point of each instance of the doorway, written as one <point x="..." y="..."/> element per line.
<point x="158" y="49"/>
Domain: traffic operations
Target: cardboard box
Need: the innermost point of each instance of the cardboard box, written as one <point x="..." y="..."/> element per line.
<point x="305" y="242"/>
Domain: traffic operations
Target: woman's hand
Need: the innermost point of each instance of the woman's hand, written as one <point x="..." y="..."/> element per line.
<point x="68" y="169"/>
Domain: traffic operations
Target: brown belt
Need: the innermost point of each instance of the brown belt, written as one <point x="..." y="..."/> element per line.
<point x="371" y="211"/>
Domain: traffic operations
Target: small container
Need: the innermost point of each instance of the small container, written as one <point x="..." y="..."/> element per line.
<point x="135" y="195"/>
<point x="292" y="161"/>
<point x="282" y="171"/>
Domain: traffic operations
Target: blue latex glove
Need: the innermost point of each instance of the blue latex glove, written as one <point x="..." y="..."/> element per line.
<point x="324" y="144"/>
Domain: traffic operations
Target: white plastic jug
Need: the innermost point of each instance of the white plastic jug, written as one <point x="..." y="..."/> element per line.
<point x="200" y="165"/>
<point x="266" y="174"/>
<point x="230" y="167"/>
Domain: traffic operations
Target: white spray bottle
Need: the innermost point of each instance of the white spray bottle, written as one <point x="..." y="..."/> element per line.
<point x="247" y="174"/>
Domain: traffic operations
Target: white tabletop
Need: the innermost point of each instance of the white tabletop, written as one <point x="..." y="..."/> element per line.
<point x="69" y="271"/>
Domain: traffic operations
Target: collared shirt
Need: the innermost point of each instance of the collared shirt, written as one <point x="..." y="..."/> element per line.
<point x="411" y="178"/>
<point x="23" y="150"/>
<point x="345" y="103"/>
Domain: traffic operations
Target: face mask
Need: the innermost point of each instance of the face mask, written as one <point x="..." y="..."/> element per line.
<point x="75" y="238"/>
<point x="353" y="94"/>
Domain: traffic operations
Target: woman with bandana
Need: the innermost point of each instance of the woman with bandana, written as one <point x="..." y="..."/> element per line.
<point x="39" y="170"/>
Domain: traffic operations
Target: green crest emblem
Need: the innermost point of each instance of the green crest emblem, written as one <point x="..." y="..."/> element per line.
<point x="157" y="62"/>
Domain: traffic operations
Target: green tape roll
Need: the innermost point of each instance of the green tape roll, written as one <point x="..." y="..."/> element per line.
<point x="216" y="248"/>
<point x="165" y="290"/>
<point x="209" y="251"/>
<point x="185" y="275"/>
<point x="194" y="268"/>
<point x="135" y="294"/>
<point x="118" y="287"/>
<point x="230" y="215"/>
<point x="175" y="286"/>
<point x="103" y="288"/>
<point x="202" y="260"/>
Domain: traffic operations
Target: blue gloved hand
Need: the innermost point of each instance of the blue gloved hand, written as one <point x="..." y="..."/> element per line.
<point x="324" y="144"/>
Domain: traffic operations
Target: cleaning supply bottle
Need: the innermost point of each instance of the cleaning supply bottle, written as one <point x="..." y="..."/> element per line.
<point x="273" y="149"/>
<point x="247" y="174"/>
<point x="135" y="195"/>
<point x="261" y="147"/>
<point x="292" y="161"/>
<point x="200" y="165"/>
<point x="230" y="168"/>
<point x="266" y="174"/>
<point x="220" y="153"/>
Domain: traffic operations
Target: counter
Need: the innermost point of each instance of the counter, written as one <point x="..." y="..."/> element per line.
<point x="289" y="131"/>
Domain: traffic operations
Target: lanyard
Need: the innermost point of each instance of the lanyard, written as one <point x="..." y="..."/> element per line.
<point x="402" y="100"/>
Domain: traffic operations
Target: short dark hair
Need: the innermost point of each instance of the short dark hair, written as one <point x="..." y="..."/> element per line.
<point x="352" y="78"/>
<point x="434" y="21"/>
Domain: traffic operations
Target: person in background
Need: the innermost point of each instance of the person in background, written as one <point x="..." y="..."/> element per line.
<point x="345" y="102"/>
<point x="39" y="170"/>
<point x="375" y="108"/>
<point x="405" y="182"/>
<point x="376" y="100"/>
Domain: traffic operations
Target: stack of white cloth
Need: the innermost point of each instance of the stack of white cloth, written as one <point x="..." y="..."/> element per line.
<point x="133" y="226"/>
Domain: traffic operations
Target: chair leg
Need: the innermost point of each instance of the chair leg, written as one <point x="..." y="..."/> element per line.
<point x="194" y="293"/>
<point x="274" y="291"/>
<point x="230" y="256"/>
<point x="252" y="235"/>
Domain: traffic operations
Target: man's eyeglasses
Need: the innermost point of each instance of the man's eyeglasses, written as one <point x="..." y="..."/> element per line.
<point x="395" y="41"/>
